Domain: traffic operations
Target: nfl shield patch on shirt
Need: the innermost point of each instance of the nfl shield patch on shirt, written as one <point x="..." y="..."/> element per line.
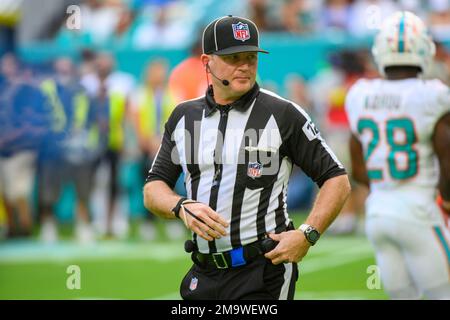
<point x="193" y="285"/>
<point x="254" y="170"/>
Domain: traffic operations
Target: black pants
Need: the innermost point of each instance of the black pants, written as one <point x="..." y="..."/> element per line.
<point x="258" y="280"/>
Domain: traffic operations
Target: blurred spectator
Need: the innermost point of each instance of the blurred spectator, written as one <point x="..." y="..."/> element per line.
<point x="329" y="87"/>
<point x="87" y="64"/>
<point x="110" y="91"/>
<point x="130" y="175"/>
<point x="188" y="79"/>
<point x="297" y="92"/>
<point x="162" y="28"/>
<point x="126" y="18"/>
<point x="7" y="42"/>
<point x="104" y="76"/>
<point x="439" y="19"/>
<point x="68" y="152"/>
<point x="21" y="129"/>
<point x="100" y="19"/>
<point x="3" y="217"/>
<point x="257" y="12"/>
<point x="335" y="15"/>
<point x="297" y="16"/>
<point x="152" y="107"/>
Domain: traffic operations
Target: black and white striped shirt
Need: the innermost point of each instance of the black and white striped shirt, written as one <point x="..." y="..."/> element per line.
<point x="238" y="159"/>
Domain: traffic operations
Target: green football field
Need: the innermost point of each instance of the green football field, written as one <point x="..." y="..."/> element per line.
<point x="336" y="268"/>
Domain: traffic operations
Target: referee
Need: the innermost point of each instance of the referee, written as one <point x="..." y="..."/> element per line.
<point x="236" y="146"/>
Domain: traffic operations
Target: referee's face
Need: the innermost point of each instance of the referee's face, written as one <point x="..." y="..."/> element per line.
<point x="238" y="68"/>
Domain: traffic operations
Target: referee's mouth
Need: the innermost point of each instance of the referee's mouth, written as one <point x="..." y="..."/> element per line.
<point x="242" y="79"/>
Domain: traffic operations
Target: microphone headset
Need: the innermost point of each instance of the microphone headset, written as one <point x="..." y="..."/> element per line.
<point x="224" y="81"/>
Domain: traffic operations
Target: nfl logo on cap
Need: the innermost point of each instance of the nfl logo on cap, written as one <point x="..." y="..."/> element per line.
<point x="230" y="35"/>
<point x="254" y="170"/>
<point x="241" y="31"/>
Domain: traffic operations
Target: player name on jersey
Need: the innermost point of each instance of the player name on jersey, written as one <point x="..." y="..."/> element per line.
<point x="383" y="102"/>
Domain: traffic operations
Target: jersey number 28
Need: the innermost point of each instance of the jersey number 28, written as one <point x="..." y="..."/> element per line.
<point x="395" y="147"/>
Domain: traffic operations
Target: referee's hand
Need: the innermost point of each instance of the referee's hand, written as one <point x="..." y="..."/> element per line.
<point x="292" y="247"/>
<point x="203" y="220"/>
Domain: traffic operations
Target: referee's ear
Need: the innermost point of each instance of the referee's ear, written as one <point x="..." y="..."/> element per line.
<point x="205" y="58"/>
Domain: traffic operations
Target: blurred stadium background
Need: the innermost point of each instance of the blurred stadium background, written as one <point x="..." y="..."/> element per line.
<point x="76" y="80"/>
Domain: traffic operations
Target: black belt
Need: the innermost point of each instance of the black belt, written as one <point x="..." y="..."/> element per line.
<point x="234" y="258"/>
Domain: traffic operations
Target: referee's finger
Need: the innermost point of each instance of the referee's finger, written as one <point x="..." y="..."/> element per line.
<point x="275" y="257"/>
<point x="216" y="217"/>
<point x="198" y="230"/>
<point x="215" y="226"/>
<point x="272" y="254"/>
<point x="207" y="230"/>
<point x="277" y="261"/>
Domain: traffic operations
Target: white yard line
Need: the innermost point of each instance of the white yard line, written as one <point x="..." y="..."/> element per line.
<point x="69" y="251"/>
<point x="32" y="252"/>
<point x="352" y="254"/>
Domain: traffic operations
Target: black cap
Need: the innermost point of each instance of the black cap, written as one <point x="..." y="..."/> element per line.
<point x="227" y="35"/>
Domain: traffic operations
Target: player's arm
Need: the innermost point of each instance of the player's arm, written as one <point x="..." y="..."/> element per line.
<point x="441" y="143"/>
<point x="359" y="170"/>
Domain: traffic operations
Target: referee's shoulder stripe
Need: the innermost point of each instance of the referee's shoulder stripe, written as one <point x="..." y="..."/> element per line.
<point x="299" y="108"/>
<point x="190" y="100"/>
<point x="183" y="107"/>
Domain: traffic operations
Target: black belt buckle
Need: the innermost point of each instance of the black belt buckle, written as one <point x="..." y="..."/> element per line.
<point x="219" y="260"/>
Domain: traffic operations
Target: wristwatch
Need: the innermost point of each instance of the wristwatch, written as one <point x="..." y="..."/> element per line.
<point x="311" y="233"/>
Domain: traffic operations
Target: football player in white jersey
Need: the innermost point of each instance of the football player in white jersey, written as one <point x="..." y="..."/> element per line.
<point x="400" y="148"/>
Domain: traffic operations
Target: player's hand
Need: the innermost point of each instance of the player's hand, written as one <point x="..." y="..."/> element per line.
<point x="292" y="247"/>
<point x="207" y="223"/>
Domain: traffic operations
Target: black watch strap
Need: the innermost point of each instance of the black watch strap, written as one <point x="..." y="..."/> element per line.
<point x="176" y="209"/>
